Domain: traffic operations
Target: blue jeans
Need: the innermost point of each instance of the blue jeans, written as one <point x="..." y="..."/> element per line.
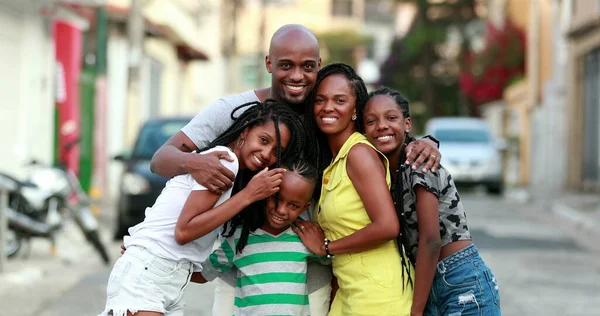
<point x="463" y="285"/>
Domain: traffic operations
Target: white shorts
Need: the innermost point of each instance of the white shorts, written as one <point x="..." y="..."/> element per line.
<point x="141" y="281"/>
<point x="225" y="296"/>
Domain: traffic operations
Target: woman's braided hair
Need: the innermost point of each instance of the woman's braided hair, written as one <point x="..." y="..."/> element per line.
<point x="397" y="188"/>
<point x="259" y="114"/>
<point x="319" y="150"/>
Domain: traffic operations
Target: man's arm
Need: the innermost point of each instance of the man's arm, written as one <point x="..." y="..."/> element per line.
<point x="175" y="157"/>
<point x="424" y="150"/>
<point x="176" y="149"/>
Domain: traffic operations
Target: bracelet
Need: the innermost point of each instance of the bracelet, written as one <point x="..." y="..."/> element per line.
<point x="326" y="244"/>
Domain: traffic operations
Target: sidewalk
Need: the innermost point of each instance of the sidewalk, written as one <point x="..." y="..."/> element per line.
<point x="583" y="210"/>
<point x="574" y="213"/>
<point x="36" y="277"/>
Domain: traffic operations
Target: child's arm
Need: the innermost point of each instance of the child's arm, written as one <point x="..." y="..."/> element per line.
<point x="198" y="216"/>
<point x="220" y="260"/>
<point x="428" y="249"/>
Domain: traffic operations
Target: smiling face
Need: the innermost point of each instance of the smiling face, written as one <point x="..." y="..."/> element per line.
<point x="294" y="198"/>
<point x="257" y="145"/>
<point x="385" y="126"/>
<point x="293" y="63"/>
<point x="335" y="103"/>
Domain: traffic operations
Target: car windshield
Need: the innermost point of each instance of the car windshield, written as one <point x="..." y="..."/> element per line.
<point x="153" y="135"/>
<point x="456" y="135"/>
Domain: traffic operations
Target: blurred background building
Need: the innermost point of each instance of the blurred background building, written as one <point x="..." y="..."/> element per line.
<point x="92" y="71"/>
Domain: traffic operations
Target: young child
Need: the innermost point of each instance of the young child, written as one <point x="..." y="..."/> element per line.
<point x="181" y="227"/>
<point x="271" y="266"/>
<point x="450" y="276"/>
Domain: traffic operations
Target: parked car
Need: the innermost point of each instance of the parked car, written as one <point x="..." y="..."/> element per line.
<point x="470" y="152"/>
<point x="139" y="187"/>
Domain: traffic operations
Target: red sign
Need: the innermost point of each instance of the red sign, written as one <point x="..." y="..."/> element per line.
<point x="68" y="52"/>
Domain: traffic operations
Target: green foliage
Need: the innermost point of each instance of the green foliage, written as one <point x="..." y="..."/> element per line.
<point x="414" y="65"/>
<point x="340" y="45"/>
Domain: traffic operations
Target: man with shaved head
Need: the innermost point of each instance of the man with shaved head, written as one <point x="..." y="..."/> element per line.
<point x="293" y="63"/>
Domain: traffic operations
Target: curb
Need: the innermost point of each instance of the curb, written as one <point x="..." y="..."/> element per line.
<point x="574" y="216"/>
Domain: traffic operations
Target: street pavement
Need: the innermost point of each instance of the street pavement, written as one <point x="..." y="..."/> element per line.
<point x="544" y="266"/>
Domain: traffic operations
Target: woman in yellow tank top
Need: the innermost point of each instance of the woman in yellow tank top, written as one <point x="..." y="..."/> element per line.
<point x="355" y="209"/>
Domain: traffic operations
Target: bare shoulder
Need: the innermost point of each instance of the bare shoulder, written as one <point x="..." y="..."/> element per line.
<point x="362" y="151"/>
<point x="363" y="157"/>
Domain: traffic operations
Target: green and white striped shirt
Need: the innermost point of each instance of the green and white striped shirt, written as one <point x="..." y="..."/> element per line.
<point x="271" y="277"/>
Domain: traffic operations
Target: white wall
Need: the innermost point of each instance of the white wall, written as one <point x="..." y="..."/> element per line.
<point x="117" y="96"/>
<point x="208" y="78"/>
<point x="26" y="86"/>
<point x="549" y="128"/>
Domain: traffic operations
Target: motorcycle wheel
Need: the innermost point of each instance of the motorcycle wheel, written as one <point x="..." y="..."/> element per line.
<point x="12" y="243"/>
<point x="94" y="239"/>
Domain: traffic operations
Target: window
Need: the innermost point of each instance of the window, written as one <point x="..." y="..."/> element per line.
<point x="154" y="134"/>
<point x="458" y="135"/>
<point x="341" y="8"/>
<point x="249" y="72"/>
<point x="379" y="11"/>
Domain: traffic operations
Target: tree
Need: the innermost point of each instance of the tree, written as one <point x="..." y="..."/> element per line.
<point x="485" y="74"/>
<point x="340" y="46"/>
<point x="419" y="64"/>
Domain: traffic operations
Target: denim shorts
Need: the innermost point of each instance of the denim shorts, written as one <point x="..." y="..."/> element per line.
<point x="141" y="281"/>
<point x="463" y="285"/>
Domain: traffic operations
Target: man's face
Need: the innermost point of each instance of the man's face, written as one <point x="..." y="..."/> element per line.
<point x="293" y="65"/>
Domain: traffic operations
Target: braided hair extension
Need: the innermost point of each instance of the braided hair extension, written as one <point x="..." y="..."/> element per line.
<point x="260" y="114"/>
<point x="397" y="187"/>
<point x="319" y="149"/>
<point x="303" y="168"/>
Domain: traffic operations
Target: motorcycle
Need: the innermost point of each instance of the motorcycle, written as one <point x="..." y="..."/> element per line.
<point x="39" y="206"/>
<point x="25" y="224"/>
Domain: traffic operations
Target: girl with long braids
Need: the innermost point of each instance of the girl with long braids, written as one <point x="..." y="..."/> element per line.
<point x="450" y="275"/>
<point x="355" y="208"/>
<point x="181" y="227"/>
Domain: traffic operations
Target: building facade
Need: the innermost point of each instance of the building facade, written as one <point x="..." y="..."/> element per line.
<point x="584" y="95"/>
<point x="247" y="39"/>
<point x="28" y="84"/>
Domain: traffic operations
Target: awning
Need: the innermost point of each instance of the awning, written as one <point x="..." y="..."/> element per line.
<point x="169" y="21"/>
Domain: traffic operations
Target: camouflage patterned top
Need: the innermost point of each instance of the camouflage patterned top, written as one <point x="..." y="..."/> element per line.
<point x="453" y="220"/>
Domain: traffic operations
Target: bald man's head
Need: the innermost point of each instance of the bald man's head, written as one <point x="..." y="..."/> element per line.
<point x="296" y="32"/>
<point x="293" y="63"/>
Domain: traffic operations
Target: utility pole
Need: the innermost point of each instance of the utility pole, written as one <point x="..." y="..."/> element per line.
<point x="229" y="25"/>
<point x="135" y="36"/>
<point x="260" y="71"/>
<point x="3" y="223"/>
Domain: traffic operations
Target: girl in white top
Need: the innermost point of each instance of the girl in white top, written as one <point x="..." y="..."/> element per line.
<point x="181" y="227"/>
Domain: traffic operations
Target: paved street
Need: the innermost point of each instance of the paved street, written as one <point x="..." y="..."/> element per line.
<point x="543" y="266"/>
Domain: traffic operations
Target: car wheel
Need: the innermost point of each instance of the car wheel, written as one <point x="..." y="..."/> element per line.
<point x="495" y="188"/>
<point x="121" y="228"/>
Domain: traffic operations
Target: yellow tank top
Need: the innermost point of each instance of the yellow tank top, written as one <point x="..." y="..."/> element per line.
<point x="341" y="211"/>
